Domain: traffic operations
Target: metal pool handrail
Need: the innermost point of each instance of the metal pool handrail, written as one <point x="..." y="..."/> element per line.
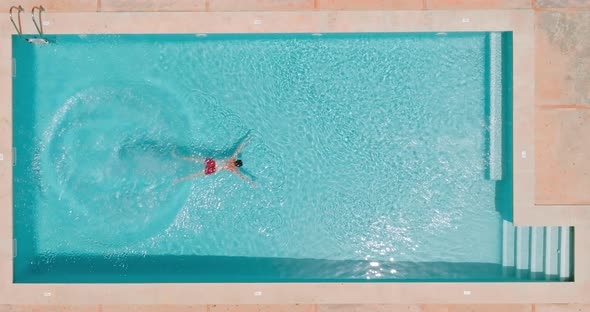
<point x="19" y="28"/>
<point x="41" y="9"/>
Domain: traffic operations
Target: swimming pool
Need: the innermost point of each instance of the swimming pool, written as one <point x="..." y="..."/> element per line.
<point x="376" y="157"/>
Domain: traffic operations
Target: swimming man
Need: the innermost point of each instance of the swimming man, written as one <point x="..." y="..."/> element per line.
<point x="212" y="166"/>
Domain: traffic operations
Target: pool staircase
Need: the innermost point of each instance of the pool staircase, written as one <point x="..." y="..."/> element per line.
<point x="537" y="252"/>
<point x="38" y="25"/>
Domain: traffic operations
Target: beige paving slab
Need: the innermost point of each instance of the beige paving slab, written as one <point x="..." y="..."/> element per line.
<point x="16" y="308"/>
<point x="562" y="3"/>
<point x="295" y="308"/>
<point x="581" y="255"/>
<point x="477" y="4"/>
<point x="562" y="58"/>
<point x="6" y="281"/>
<point x="5" y="56"/>
<point x="183" y="22"/>
<point x="262" y="308"/>
<point x="562" y="308"/>
<point x="260" y="5"/>
<point x="153" y="308"/>
<point x="491" y="308"/>
<point x="370" y="5"/>
<point x="435" y="308"/>
<point x="152" y="5"/>
<point x="6" y="244"/>
<point x="223" y="22"/>
<point x="330" y="21"/>
<point x="51" y="5"/>
<point x="6" y="146"/>
<point x="369" y="308"/>
<point x="562" y="154"/>
<point x="5" y="27"/>
<point x="345" y="293"/>
<point x="50" y="308"/>
<point x="523" y="125"/>
<point x="6" y="122"/>
<point x="553" y="215"/>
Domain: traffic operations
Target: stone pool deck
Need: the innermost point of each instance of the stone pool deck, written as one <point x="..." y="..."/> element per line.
<point x="300" y="308"/>
<point x="561" y="113"/>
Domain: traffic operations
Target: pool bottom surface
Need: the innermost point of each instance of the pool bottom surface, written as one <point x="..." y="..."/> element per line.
<point x="368" y="151"/>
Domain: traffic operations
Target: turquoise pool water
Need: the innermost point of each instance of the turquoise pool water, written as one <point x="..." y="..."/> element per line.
<point x="371" y="155"/>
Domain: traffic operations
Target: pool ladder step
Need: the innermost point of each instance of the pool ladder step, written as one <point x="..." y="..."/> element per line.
<point x="537" y="252"/>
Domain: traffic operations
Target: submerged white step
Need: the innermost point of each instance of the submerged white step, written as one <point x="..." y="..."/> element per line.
<point x="536" y="252"/>
<point x="564" y="253"/>
<point x="522" y="247"/>
<point x="507" y="244"/>
<point x="551" y="247"/>
<point x="495" y="42"/>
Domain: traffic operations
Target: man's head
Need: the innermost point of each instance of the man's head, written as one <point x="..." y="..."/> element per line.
<point x="238" y="163"/>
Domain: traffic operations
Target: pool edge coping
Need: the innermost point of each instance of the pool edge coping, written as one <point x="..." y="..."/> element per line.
<point x="520" y="22"/>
